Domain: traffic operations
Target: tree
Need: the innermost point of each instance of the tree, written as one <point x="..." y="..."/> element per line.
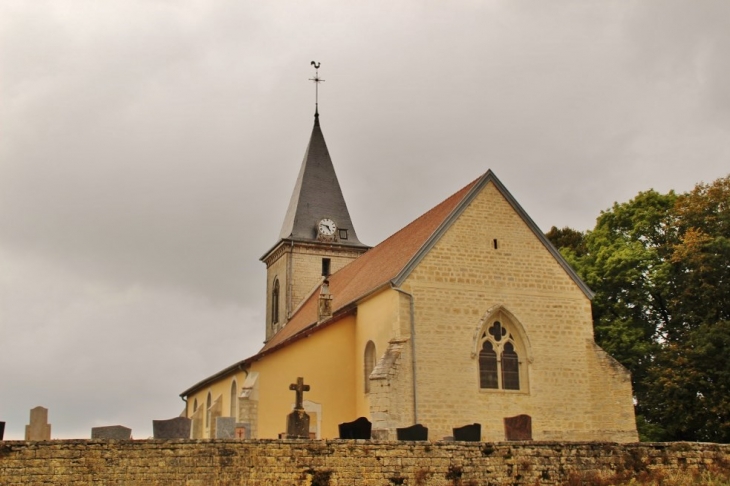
<point x="660" y="267"/>
<point x="687" y="392"/>
<point x="688" y="386"/>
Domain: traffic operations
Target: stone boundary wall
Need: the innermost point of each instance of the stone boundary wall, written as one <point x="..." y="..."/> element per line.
<point x="339" y="462"/>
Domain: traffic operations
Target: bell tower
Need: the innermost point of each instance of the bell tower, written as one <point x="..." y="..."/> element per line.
<point x="316" y="239"/>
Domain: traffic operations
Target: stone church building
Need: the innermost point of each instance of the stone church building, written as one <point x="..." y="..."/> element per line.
<point x="466" y="315"/>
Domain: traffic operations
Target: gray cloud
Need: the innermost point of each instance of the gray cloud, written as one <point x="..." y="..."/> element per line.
<point x="149" y="149"/>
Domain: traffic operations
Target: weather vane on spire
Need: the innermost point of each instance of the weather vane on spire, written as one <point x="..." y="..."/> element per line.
<point x="316" y="80"/>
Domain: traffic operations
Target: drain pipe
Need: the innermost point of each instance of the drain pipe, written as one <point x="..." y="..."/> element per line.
<point x="413" y="352"/>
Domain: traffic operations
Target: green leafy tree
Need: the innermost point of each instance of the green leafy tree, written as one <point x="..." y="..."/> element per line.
<point x="660" y="267"/>
<point x="568" y="240"/>
<point x="626" y="264"/>
<point x="688" y="386"/>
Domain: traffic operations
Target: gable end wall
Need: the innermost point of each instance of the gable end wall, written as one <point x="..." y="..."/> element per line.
<point x="457" y="282"/>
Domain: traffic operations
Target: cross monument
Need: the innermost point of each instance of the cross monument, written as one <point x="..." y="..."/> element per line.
<point x="299" y="387"/>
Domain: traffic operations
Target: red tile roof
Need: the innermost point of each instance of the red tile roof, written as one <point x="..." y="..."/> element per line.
<point x="390" y="261"/>
<point x="371" y="271"/>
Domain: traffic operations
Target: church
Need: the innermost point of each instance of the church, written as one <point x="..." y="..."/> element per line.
<point x="466" y="315"/>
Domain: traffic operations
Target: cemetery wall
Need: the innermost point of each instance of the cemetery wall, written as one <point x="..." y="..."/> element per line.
<point x="364" y="463"/>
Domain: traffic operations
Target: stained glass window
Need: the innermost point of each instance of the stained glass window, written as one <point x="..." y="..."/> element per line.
<point x="499" y="363"/>
<point x="488" y="366"/>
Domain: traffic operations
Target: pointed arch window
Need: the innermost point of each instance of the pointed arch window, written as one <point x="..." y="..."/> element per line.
<point x="234" y="399"/>
<point x="208" y="405"/>
<point x="488" y="366"/>
<point x="275" y="302"/>
<point x="368" y="364"/>
<point x="499" y="361"/>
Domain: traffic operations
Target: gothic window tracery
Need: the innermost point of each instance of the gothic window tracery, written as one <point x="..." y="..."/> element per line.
<point x="499" y="362"/>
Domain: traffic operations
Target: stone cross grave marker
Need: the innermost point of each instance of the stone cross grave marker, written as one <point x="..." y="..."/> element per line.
<point x="299" y="387"/>
<point x="297" y="422"/>
<point x="39" y="428"/>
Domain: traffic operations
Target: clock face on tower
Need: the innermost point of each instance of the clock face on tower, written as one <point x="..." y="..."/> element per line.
<point x="326" y="228"/>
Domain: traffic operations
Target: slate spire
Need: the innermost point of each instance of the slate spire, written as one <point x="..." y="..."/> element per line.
<point x="317" y="195"/>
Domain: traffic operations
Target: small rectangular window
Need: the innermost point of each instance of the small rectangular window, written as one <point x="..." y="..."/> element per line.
<point x="325" y="267"/>
<point x="494" y="242"/>
<point x="343" y="234"/>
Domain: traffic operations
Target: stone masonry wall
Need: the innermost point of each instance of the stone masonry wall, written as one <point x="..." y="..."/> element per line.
<point x="307" y="268"/>
<point x="490" y="259"/>
<point x="362" y="463"/>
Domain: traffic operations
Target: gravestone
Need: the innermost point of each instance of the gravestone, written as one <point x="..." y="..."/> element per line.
<point x="225" y="428"/>
<point x="39" y="428"/>
<point x="243" y="431"/>
<point x="357" y="429"/>
<point x="2" y="430"/>
<point x="174" y="428"/>
<point x="518" y="427"/>
<point x="414" y="432"/>
<point x="468" y="433"/>
<point x="116" y="432"/>
<point x="297" y="422"/>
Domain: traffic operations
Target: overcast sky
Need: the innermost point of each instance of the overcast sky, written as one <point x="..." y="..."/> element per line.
<point x="148" y="150"/>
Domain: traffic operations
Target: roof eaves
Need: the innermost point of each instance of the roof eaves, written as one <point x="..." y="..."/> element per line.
<point x="439" y="232"/>
<point x="291" y="241"/>
<point x="234" y="367"/>
<point x="307" y="331"/>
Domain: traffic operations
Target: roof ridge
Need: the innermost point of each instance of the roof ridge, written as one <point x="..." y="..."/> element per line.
<point x="423" y="215"/>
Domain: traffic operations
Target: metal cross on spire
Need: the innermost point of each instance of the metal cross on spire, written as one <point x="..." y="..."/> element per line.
<point x="316" y="80"/>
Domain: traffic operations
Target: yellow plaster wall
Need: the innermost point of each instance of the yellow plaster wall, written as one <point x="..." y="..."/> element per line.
<point x="464" y="276"/>
<point x="220" y="388"/>
<point x="376" y="319"/>
<point x="324" y="360"/>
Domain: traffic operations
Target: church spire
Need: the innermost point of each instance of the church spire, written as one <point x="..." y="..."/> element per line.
<point x="317" y="196"/>
<point x="317" y="233"/>
<point x="317" y="209"/>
